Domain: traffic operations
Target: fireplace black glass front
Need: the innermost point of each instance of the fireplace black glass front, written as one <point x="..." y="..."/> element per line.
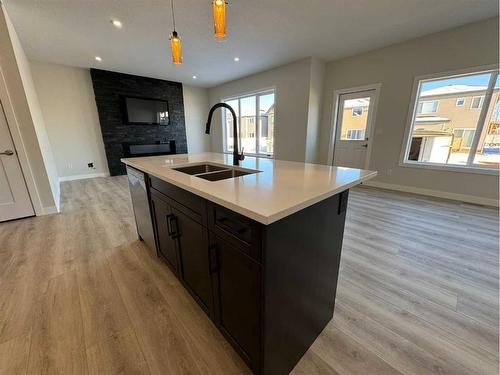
<point x="131" y="150"/>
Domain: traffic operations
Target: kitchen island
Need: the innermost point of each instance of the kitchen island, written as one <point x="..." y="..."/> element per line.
<point x="257" y="246"/>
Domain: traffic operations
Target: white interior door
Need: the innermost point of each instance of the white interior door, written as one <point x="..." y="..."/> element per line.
<point x="353" y="129"/>
<point x="14" y="198"/>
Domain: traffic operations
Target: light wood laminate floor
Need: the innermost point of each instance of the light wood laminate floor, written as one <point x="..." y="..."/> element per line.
<point x="417" y="294"/>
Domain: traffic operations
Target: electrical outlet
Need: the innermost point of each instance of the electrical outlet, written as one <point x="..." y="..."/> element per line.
<point x="389" y="172"/>
<point x="69" y="166"/>
<point x="91" y="165"/>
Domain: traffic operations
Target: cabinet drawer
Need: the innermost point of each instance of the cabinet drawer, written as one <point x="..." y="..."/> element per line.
<point x="235" y="228"/>
<point x="195" y="204"/>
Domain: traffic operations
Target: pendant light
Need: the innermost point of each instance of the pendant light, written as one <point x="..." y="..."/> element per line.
<point x="175" y="42"/>
<point x="219" y="7"/>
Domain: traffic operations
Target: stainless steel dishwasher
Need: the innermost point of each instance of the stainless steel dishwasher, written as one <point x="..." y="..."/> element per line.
<point x="140" y="203"/>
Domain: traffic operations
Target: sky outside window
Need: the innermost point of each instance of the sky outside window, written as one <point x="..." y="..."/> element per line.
<point x="474" y="80"/>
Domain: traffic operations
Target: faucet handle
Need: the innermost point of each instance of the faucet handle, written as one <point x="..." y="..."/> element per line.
<point x="241" y="156"/>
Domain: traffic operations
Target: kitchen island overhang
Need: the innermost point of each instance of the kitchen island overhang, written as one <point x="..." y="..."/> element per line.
<point x="259" y="253"/>
<point x="278" y="190"/>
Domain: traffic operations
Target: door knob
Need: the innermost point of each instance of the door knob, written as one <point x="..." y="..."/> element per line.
<point x="7" y="152"/>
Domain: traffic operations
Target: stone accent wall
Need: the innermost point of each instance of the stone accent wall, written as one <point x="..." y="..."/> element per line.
<point x="108" y="89"/>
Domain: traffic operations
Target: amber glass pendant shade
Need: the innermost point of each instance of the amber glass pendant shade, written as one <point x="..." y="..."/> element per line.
<point x="176" y="46"/>
<point x="219" y="7"/>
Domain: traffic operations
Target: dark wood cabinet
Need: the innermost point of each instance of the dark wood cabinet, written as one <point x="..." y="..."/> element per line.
<point x="162" y="220"/>
<point x="270" y="289"/>
<point x="237" y="296"/>
<point x="192" y="242"/>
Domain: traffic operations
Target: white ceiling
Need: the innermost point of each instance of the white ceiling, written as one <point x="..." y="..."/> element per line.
<point x="263" y="33"/>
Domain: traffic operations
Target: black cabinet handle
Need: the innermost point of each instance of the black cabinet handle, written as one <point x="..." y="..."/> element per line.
<point x="213" y="261"/>
<point x="172" y="227"/>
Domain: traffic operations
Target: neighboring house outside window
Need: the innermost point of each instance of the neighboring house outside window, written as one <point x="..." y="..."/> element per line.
<point x="355" y="134"/>
<point x="428" y="107"/>
<point x="357" y="111"/>
<point x="443" y="129"/>
<point x="477" y="102"/>
<point x="354" y="117"/>
<point x="255" y="115"/>
<point x="465" y="135"/>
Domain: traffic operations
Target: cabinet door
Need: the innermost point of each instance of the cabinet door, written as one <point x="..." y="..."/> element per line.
<point x="237" y="290"/>
<point x="166" y="247"/>
<point x="193" y="254"/>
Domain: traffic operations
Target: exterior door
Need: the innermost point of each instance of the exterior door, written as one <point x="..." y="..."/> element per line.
<point x="353" y="126"/>
<point x="15" y="201"/>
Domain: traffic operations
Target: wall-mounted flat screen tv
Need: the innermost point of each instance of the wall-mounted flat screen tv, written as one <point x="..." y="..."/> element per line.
<point x="145" y="111"/>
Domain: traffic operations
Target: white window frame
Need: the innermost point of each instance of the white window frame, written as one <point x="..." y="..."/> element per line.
<point x="357" y="115"/>
<point x="481" y="102"/>
<point x="460" y="105"/>
<point x="412" y="114"/>
<point x="257" y="135"/>
<point x="428" y="101"/>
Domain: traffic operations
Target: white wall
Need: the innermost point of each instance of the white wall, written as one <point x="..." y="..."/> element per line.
<point x="68" y="105"/>
<point x="317" y="76"/>
<point x="395" y="67"/>
<point x="292" y="85"/>
<point x="195" y="113"/>
<point x="26" y="121"/>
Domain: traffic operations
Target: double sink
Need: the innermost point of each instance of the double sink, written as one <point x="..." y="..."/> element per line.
<point x="214" y="172"/>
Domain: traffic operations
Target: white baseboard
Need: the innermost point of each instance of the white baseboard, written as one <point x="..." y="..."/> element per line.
<point x="49" y="210"/>
<point x="435" y="193"/>
<point x="82" y="176"/>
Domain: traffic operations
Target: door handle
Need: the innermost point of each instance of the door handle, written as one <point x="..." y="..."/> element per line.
<point x="365" y="146"/>
<point x="7" y="152"/>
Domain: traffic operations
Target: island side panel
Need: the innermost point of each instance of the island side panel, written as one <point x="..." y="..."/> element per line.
<point x="301" y="265"/>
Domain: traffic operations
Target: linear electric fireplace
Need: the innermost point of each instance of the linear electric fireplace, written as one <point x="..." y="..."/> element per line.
<point x="131" y="150"/>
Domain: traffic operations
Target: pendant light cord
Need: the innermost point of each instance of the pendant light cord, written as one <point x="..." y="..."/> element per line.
<point x="173" y="16"/>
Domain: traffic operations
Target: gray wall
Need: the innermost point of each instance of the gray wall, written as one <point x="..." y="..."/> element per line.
<point x="196" y="112"/>
<point x="395" y="67"/>
<point x="68" y="106"/>
<point x="292" y="83"/>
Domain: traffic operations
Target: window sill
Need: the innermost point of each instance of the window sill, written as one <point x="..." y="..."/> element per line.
<point x="451" y="168"/>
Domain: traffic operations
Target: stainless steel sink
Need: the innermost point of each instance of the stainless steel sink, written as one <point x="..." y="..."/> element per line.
<point x="222" y="175"/>
<point x="199" y="168"/>
<point x="213" y="172"/>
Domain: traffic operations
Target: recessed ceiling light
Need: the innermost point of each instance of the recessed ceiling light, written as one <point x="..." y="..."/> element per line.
<point x="195" y="77"/>
<point x="98" y="58"/>
<point x="236" y="59"/>
<point x="117" y="24"/>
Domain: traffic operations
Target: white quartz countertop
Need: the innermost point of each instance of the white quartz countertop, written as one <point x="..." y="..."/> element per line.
<point x="281" y="188"/>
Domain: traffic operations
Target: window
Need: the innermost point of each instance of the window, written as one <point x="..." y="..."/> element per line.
<point x="464" y="136"/>
<point x="357" y="111"/>
<point x="355" y="134"/>
<point x="477" y="102"/>
<point x="428" y="107"/>
<point x="451" y="136"/>
<point x="255" y="115"/>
